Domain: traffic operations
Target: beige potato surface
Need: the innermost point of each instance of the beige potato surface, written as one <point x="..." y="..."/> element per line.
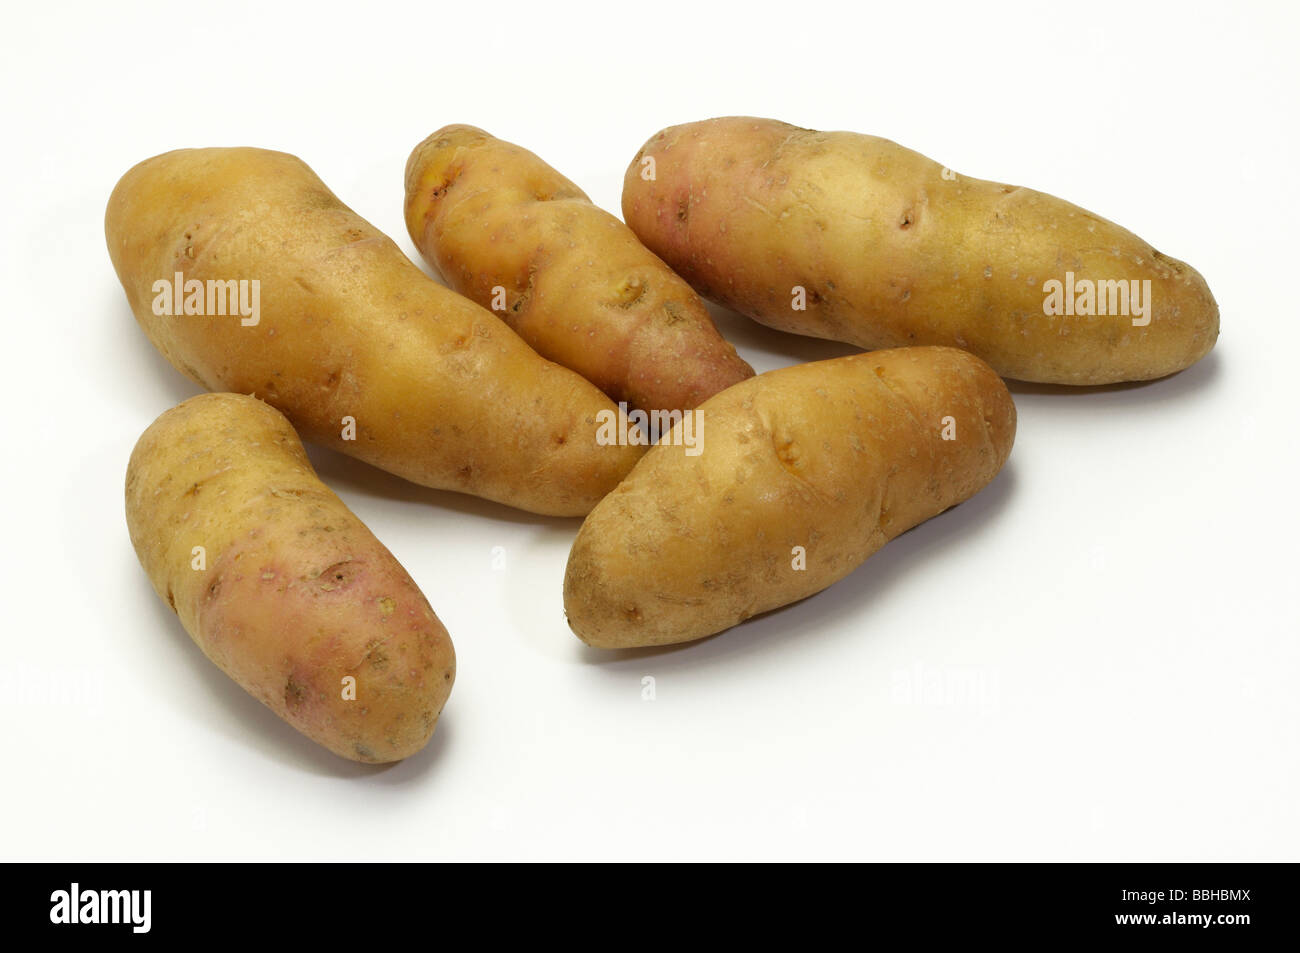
<point x="348" y="329"/>
<point x="510" y="232"/>
<point x="802" y="473"/>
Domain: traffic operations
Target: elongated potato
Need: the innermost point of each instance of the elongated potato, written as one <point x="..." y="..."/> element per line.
<point x="341" y="332"/>
<point x="800" y="475"/>
<point x="509" y="231"/>
<point x="854" y="238"/>
<point x="281" y="586"/>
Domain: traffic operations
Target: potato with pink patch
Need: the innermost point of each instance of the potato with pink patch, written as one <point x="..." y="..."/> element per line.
<point x="855" y="238"/>
<point x="281" y="586"/>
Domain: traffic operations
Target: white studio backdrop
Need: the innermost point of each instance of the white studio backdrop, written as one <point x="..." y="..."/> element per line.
<point x="1094" y="659"/>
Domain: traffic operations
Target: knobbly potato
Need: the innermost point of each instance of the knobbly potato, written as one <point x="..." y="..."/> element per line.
<point x="340" y="331"/>
<point x="800" y="475"/>
<point x="854" y="238"/>
<point x="281" y="586"/>
<point x="513" y="234"/>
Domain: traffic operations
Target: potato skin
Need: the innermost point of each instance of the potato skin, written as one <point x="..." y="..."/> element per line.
<point x="835" y="456"/>
<point x="442" y="392"/>
<point x="578" y="285"/>
<point x="296" y="593"/>
<point x="894" y="250"/>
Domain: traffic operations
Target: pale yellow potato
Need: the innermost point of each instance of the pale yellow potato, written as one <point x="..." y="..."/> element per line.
<point x="506" y="229"/>
<point x="891" y="249"/>
<point x="350" y="339"/>
<point x="280" y="585"/>
<point x="818" y="464"/>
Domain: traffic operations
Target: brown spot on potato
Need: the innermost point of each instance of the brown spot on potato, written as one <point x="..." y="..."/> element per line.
<point x="375" y="655"/>
<point x="629" y="292"/>
<point x="453" y="175"/>
<point x="294" y="693"/>
<point x="334" y="577"/>
<point x="788" y="452"/>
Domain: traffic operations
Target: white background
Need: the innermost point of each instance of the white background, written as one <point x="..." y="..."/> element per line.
<point x="1095" y="658"/>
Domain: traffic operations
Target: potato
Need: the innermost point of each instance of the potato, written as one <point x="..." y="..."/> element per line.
<point x="509" y="231"/>
<point x="800" y="475"/>
<point x="281" y="586"/>
<point x="892" y="249"/>
<point x="340" y="331"/>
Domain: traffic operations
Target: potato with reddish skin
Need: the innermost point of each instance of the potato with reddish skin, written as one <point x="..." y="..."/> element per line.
<point x="440" y="391"/>
<point x="291" y="594"/>
<point x="576" y="283"/>
<point x="836" y="457"/>
<point x="893" y="249"/>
